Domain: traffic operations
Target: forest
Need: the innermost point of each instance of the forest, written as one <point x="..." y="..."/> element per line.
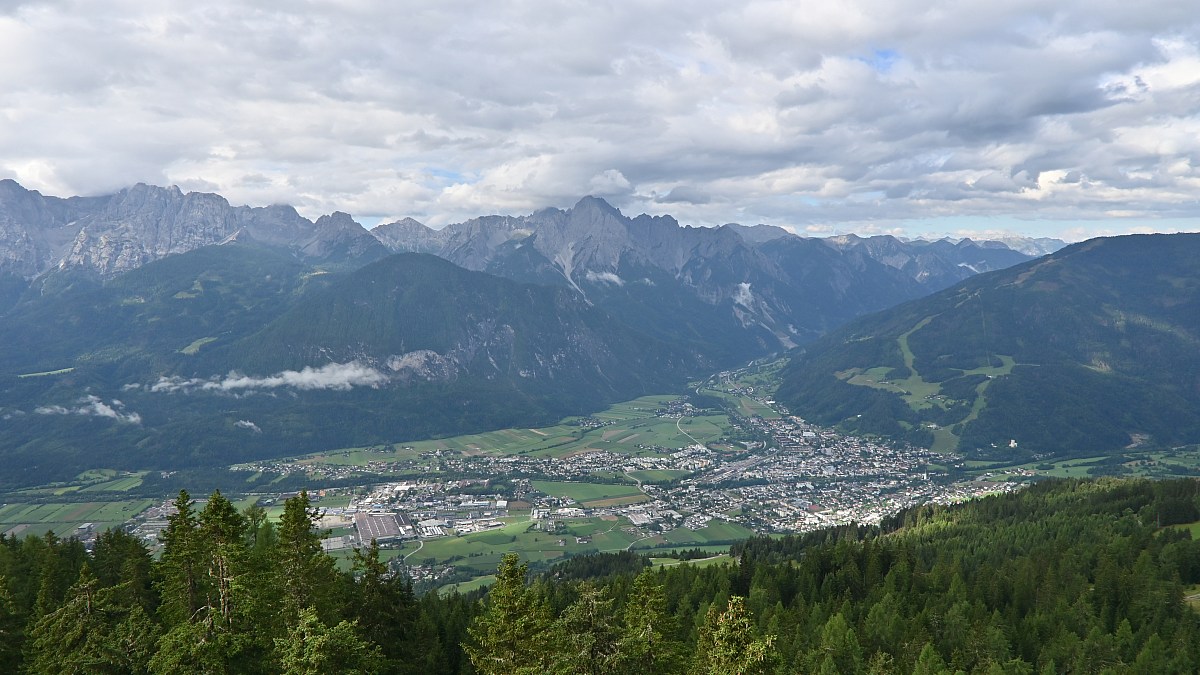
<point x="1061" y="577"/>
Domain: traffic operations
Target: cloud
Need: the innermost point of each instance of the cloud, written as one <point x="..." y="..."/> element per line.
<point x="93" y="406"/>
<point x="764" y="111"/>
<point x="247" y="424"/>
<point x="333" y="376"/>
<point x="604" y="277"/>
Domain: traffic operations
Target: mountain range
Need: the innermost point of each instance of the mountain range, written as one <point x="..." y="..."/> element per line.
<point x="1090" y="350"/>
<point x="157" y="328"/>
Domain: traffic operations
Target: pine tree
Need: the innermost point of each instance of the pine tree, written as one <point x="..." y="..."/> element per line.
<point x="91" y="633"/>
<point x="11" y="634"/>
<point x="306" y="575"/>
<point x="727" y="644"/>
<point x="586" y="636"/>
<point x="648" y="645"/>
<point x="507" y="638"/>
<point x="312" y="648"/>
<point x="223" y="539"/>
<point x="178" y="573"/>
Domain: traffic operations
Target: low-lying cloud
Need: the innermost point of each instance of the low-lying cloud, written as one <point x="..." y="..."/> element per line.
<point x="604" y="277"/>
<point x="333" y="376"/>
<point x="247" y="424"/>
<point x="93" y="406"/>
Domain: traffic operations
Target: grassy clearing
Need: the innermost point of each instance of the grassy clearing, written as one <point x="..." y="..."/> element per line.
<point x="719" y="559"/>
<point x="479" y="553"/>
<point x="1194" y="528"/>
<point x="123" y="484"/>
<point x="468" y="586"/>
<point x="616" y="501"/>
<point x="194" y="348"/>
<point x="60" y="371"/>
<point x="586" y="492"/>
<point x="659" y="475"/>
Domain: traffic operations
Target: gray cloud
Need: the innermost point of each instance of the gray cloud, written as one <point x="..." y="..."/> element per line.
<point x="335" y="376"/>
<point x="861" y="114"/>
<point x="93" y="406"/>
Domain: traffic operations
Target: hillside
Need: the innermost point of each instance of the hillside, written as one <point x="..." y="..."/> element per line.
<point x="1091" y="349"/>
<point x="231" y="353"/>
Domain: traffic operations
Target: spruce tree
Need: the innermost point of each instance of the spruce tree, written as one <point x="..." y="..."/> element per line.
<point x="508" y="637"/>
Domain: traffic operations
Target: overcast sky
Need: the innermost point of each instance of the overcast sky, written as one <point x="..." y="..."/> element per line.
<point x="911" y="116"/>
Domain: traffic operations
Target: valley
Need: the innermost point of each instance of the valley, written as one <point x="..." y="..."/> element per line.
<point x="666" y="475"/>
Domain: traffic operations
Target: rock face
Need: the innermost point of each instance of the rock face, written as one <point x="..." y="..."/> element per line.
<point x="114" y="234"/>
<point x="770" y="287"/>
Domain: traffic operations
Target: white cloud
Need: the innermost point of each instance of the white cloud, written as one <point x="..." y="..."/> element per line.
<point x="247" y="424"/>
<point x="93" y="406"/>
<point x="814" y="114"/>
<point x="604" y="277"/>
<point x="335" y="376"/>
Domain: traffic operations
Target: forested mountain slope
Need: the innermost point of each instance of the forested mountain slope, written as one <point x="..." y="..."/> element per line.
<point x="1088" y="350"/>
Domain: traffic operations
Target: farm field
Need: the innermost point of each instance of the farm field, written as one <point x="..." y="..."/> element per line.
<point x="685" y="538"/>
<point x="479" y="553"/>
<point x="1180" y="462"/>
<point x="64" y="518"/>
<point x="585" y="492"/>
<point x="658" y="475"/>
<point x="633" y="429"/>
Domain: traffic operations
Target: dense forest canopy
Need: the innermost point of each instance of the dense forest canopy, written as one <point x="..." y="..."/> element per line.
<point x="1065" y="576"/>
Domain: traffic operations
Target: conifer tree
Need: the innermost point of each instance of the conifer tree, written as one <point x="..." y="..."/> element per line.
<point x="728" y="645"/>
<point x="312" y="648"/>
<point x="91" y="633"/>
<point x="508" y="637"/>
<point x="178" y="573"/>
<point x="648" y="643"/>
<point x="307" y="576"/>
<point x="11" y="633"/>
<point x="586" y="637"/>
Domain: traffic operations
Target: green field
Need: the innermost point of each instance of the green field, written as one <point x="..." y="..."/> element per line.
<point x="1178" y="463"/>
<point x="633" y="429"/>
<point x="123" y="484"/>
<point x="585" y="492"/>
<point x="479" y="553"/>
<point x="64" y="518"/>
<point x="194" y="347"/>
<point x="718" y="559"/>
<point x="658" y="475"/>
<point x="685" y="538"/>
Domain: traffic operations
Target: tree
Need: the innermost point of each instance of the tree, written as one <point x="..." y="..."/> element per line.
<point x="507" y="637"/>
<point x="11" y="635"/>
<point x="586" y="636"/>
<point x="386" y="611"/>
<point x="727" y="643"/>
<point x="223" y="536"/>
<point x="91" y="633"/>
<point x="306" y="575"/>
<point x="179" y="570"/>
<point x="312" y="648"/>
<point x="647" y="644"/>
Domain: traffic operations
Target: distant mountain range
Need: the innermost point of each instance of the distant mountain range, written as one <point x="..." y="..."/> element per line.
<point x="156" y="328"/>
<point x="1087" y="351"/>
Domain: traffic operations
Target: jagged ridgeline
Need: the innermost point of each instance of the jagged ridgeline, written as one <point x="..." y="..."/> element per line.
<point x="157" y="329"/>
<point x="1089" y="350"/>
<point x="1065" y="576"/>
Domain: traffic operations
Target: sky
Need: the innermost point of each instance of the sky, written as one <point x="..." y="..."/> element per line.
<point x="913" y="117"/>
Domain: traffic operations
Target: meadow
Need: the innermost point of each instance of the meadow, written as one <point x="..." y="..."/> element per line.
<point x="64" y="518"/>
